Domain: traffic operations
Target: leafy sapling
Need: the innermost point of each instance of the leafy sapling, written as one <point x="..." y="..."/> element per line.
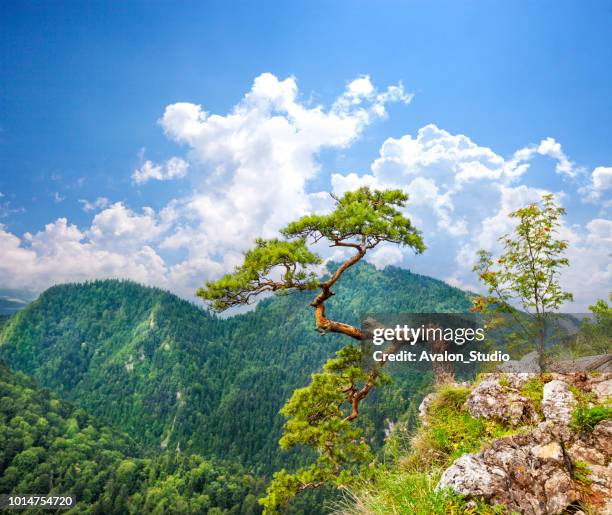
<point x="527" y="273"/>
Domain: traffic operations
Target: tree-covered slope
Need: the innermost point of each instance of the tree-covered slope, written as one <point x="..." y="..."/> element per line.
<point x="170" y="374"/>
<point x="50" y="447"/>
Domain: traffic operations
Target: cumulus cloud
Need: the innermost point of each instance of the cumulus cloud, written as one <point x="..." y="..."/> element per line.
<point x="461" y="194"/>
<point x="121" y="229"/>
<point x="385" y="256"/>
<point x="173" y="168"/>
<point x="599" y="189"/>
<point x="99" y="203"/>
<point x="600" y="232"/>
<point x="251" y="167"/>
<point x="62" y="253"/>
<point x="248" y="169"/>
<point x="451" y="179"/>
<point x="251" y="171"/>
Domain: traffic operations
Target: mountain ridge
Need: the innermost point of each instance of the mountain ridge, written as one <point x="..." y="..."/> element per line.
<point x="172" y="374"/>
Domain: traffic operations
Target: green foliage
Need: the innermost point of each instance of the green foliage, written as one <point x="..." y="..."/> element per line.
<point x="451" y="431"/>
<point x="534" y="390"/>
<point x="583" y="397"/>
<point x="361" y="219"/>
<point x="48" y="446"/>
<point x="595" y="335"/>
<point x="527" y="273"/>
<point x="585" y="418"/>
<point x="122" y="352"/>
<point x="581" y="473"/>
<point x="365" y="216"/>
<point x="407" y="483"/>
<point x="254" y="275"/>
<point x="317" y="418"/>
<point x="399" y="491"/>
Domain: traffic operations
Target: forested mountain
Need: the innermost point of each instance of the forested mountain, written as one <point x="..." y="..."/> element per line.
<point x="49" y="446"/>
<point x="171" y="375"/>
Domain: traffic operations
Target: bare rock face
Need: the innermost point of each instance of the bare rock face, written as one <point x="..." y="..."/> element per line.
<point x="471" y="476"/>
<point x="558" y="403"/>
<point x="498" y="397"/>
<point x="601" y="386"/>
<point x="520" y="472"/>
<point x="425" y="405"/>
<point x="536" y="472"/>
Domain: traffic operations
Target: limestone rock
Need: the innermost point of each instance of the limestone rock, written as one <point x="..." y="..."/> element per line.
<point x="534" y="473"/>
<point x="424" y="406"/>
<point x="558" y="403"/>
<point x="519" y="472"/>
<point x="498" y="397"/>
<point x="602" y="387"/>
<point x="470" y="476"/>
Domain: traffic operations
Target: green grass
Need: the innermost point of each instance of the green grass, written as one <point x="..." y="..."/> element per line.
<point x="451" y="431"/>
<point x="581" y="473"/>
<point x="585" y="418"/>
<point x="582" y="397"/>
<point x="504" y="382"/>
<point x="407" y="485"/>
<point x="534" y="390"/>
<point x="401" y="492"/>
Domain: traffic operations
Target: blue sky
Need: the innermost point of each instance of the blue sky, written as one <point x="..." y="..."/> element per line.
<point x="84" y="87"/>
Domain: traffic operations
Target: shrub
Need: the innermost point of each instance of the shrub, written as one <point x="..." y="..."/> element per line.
<point x="585" y="418"/>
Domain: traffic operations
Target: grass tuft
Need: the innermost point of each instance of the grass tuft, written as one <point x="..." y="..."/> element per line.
<point x="408" y="484"/>
<point x="585" y="418"/>
<point x="534" y="390"/>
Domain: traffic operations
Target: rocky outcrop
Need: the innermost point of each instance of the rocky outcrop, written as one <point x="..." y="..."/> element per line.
<point x="546" y="468"/>
<point x="601" y="386"/>
<point x="499" y="398"/>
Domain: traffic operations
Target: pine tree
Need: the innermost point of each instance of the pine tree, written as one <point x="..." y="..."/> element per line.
<point x="320" y="415"/>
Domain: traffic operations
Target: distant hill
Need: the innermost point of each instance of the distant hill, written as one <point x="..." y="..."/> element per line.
<point x="12" y="301"/>
<point x="170" y="374"/>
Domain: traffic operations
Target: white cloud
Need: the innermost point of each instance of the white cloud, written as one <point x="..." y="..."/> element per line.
<point x="599" y="189"/>
<point x="590" y="275"/>
<point x="549" y="147"/>
<point x="600" y="232"/>
<point x="251" y="166"/>
<point x="173" y="168"/>
<point x="120" y="229"/>
<point x="57" y="198"/>
<point x="437" y="153"/>
<point x="602" y="178"/>
<point x="62" y="253"/>
<point x="385" y="256"/>
<point x="461" y="194"/>
<point x="251" y="172"/>
<point x="99" y="203"/>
